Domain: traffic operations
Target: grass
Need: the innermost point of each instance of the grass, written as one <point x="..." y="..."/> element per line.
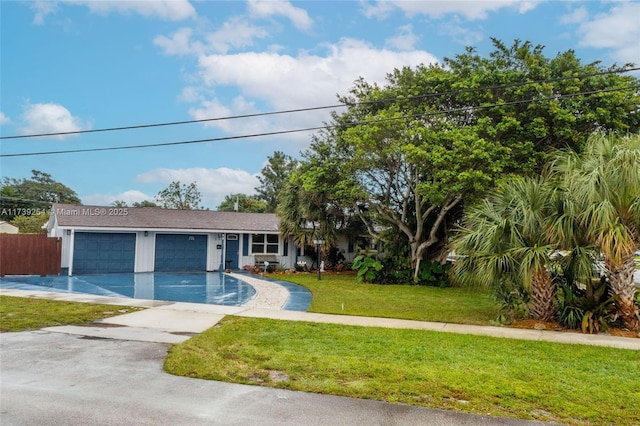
<point x="341" y="294"/>
<point x="19" y="314"/>
<point x="570" y="384"/>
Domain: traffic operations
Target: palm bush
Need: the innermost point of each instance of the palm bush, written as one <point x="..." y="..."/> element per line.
<point x="604" y="187"/>
<point x="504" y="240"/>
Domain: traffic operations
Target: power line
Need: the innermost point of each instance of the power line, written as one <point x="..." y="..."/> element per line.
<point x="310" y="129"/>
<point x="316" y="108"/>
<point x="24" y="200"/>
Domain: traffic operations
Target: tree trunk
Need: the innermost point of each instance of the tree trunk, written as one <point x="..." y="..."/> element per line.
<point x="624" y="290"/>
<point x="542" y="305"/>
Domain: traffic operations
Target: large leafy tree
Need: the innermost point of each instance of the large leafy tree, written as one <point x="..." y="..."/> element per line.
<point x="604" y="187"/>
<point x="35" y="193"/>
<point x="242" y="203"/>
<point x="180" y="196"/>
<point x="144" y="203"/>
<point x="309" y="205"/>
<point x="32" y="224"/>
<point x="434" y="138"/>
<point x="272" y="178"/>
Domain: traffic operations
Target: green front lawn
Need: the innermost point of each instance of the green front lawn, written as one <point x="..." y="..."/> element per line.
<point x="572" y="384"/>
<point x="341" y="294"/>
<point x="20" y="313"/>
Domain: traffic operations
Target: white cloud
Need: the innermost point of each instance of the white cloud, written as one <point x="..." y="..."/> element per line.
<point x="213" y="184"/>
<point x="235" y="33"/>
<point x="290" y="82"/>
<point x="4" y="119"/>
<point x="239" y="106"/>
<point x="471" y="10"/>
<point x="49" y="118"/>
<point x="42" y="9"/>
<point x="578" y="16"/>
<point x="404" y="40"/>
<point x="179" y="43"/>
<point x="377" y="9"/>
<point x="170" y="10"/>
<point x="618" y="30"/>
<point x="129" y="197"/>
<point x="190" y="94"/>
<point x="265" y="9"/>
<point x="459" y="32"/>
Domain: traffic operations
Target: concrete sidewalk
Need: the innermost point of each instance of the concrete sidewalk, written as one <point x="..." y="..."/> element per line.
<point x="169" y="322"/>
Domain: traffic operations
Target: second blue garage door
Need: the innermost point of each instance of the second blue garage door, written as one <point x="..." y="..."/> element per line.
<point x="181" y="252"/>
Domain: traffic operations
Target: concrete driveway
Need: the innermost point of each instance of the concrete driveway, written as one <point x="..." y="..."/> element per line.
<point x="52" y="378"/>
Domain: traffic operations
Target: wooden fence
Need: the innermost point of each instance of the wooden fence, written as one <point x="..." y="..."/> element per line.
<point x="29" y="254"/>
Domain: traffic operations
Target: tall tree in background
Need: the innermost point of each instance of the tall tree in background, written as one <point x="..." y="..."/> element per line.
<point x="180" y="196"/>
<point x="144" y="203"/>
<point x="272" y="178"/>
<point x="38" y="192"/>
<point x="242" y="203"/>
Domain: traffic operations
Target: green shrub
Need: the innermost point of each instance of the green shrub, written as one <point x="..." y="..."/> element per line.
<point x="367" y="267"/>
<point x="513" y="299"/>
<point x="590" y="309"/>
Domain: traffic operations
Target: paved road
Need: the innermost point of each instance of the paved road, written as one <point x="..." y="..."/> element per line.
<point x="52" y="378"/>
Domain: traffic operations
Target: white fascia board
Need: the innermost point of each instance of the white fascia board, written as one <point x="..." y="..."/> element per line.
<point x="165" y="230"/>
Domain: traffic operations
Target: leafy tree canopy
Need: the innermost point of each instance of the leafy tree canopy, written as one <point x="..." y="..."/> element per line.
<point x="179" y="196"/>
<point x="242" y="203"/>
<point x="411" y="153"/>
<point x="30" y="224"/>
<point x="144" y="203"/>
<point x="38" y="193"/>
<point x="272" y="178"/>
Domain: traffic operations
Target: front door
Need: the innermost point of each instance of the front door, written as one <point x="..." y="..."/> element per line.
<point x="232" y="253"/>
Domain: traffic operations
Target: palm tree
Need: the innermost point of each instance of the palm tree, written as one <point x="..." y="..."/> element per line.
<point x="604" y="185"/>
<point x="505" y="239"/>
<point x="307" y="215"/>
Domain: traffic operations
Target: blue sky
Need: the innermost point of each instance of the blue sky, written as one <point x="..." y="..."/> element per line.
<point x="81" y="65"/>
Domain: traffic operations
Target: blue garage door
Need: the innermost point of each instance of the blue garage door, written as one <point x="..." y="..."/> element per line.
<point x="99" y="253"/>
<point x="181" y="252"/>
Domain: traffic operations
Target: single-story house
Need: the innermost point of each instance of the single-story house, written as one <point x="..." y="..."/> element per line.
<point x="107" y="239"/>
<point x="7" y="228"/>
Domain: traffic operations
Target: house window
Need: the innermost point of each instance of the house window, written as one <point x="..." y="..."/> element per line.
<point x="265" y="244"/>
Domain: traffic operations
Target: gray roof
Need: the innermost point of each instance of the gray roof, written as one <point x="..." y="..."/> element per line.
<point x="68" y="215"/>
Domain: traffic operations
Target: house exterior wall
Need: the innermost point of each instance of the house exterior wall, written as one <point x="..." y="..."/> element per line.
<point x="349" y="249"/>
<point x="66" y="247"/>
<point x="145" y="251"/>
<point x="214" y="254"/>
<point x="287" y="253"/>
<point x="7" y="228"/>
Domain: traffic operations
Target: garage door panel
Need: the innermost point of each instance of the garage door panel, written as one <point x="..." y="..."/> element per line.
<point x="96" y="252"/>
<point x="180" y="252"/>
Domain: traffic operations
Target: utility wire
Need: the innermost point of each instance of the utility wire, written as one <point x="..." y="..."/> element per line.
<point x="21" y="200"/>
<point x="309" y="129"/>
<point x="316" y="108"/>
